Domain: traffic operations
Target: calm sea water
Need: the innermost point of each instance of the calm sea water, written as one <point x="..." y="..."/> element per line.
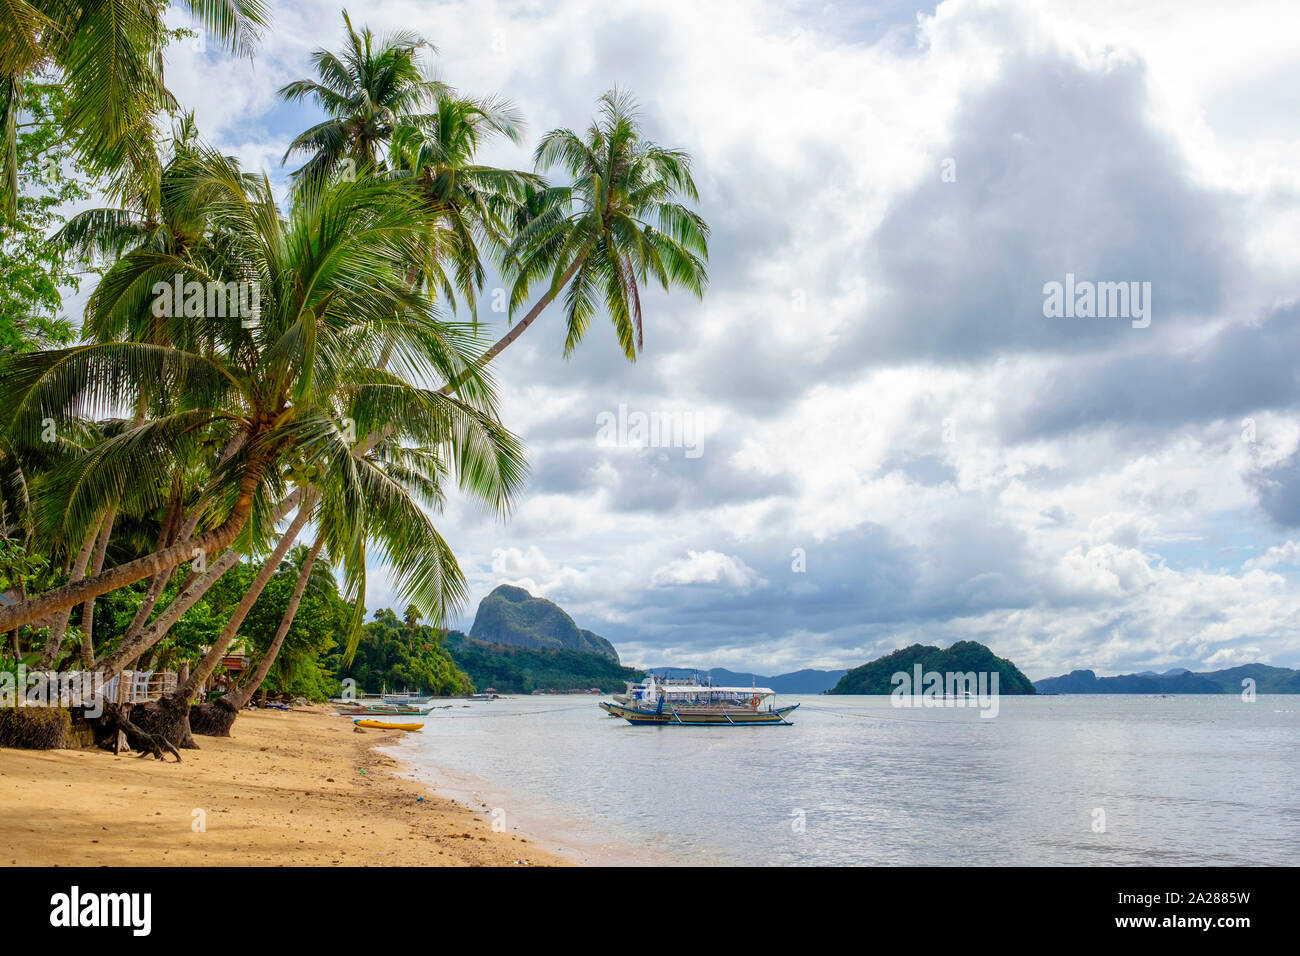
<point x="1050" y="780"/>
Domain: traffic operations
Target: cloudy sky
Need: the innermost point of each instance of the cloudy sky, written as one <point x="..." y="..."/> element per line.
<point x="890" y="441"/>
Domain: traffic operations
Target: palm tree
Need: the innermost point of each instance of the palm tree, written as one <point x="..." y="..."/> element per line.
<point x="373" y="500"/>
<point x="108" y="55"/>
<point x="470" y="204"/>
<point x="235" y="701"/>
<point x="329" y="296"/>
<point x="617" y="224"/>
<point x="367" y="504"/>
<point x="174" y="711"/>
<point x="176" y="226"/>
<point x="370" y="89"/>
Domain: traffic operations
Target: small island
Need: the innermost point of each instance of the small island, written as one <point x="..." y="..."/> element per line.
<point x="876" y="677"/>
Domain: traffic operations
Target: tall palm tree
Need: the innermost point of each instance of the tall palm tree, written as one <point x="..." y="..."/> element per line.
<point x="235" y="701"/>
<point x="615" y="226"/>
<point x="367" y="91"/>
<point x="366" y="505"/>
<point x="371" y="501"/>
<point x="471" y="205"/>
<point x="109" y="57"/>
<point x="329" y="296"/>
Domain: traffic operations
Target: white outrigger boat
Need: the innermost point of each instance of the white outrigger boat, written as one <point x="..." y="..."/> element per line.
<point x="690" y="703"/>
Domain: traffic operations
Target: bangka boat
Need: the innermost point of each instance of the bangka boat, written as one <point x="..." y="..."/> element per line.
<point x="384" y="710"/>
<point x="385" y="725"/>
<point x="690" y="703"/>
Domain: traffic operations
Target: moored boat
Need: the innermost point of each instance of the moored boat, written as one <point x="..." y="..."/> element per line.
<point x="383" y="710"/>
<point x="385" y="725"/>
<point x="690" y="703"/>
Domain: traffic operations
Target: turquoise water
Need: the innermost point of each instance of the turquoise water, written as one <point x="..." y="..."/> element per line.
<point x="1050" y="780"/>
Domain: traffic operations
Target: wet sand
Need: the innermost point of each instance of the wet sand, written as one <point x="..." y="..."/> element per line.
<point x="298" y="788"/>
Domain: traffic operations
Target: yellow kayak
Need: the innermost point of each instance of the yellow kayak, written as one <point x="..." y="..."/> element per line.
<point x="382" y="725"/>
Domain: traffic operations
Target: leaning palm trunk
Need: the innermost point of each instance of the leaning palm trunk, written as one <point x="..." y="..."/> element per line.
<point x="78" y="592"/>
<point x="518" y="328"/>
<point x="114" y="663"/>
<point x="170" y="535"/>
<point x="88" y="609"/>
<point x="169" y="717"/>
<point x="60" y="626"/>
<point x="221" y="716"/>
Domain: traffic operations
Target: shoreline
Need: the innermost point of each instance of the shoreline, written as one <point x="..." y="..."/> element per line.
<point x="542" y="827"/>
<point x="295" y="788"/>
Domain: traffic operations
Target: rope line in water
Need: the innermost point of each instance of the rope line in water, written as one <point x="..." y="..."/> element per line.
<point x="523" y="713"/>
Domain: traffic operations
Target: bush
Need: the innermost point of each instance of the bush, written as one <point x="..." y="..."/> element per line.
<point x="35" y="728"/>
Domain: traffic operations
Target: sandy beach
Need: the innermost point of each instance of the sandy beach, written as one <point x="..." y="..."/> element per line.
<point x="289" y="788"/>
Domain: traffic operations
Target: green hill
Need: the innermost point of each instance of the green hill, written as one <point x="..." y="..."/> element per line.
<point x="522" y="670"/>
<point x="1268" y="680"/>
<point x="510" y="615"/>
<point x="401" y="654"/>
<point x="963" y="657"/>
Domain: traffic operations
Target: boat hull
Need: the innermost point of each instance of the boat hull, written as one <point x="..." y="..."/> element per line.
<point x="700" y="716"/>
<point x="385" y="725"/>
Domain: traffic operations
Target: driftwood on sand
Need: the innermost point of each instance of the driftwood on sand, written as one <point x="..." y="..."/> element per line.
<point x="137" y="738"/>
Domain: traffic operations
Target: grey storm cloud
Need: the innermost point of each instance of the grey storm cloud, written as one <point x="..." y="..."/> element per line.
<point x="1278" y="488"/>
<point x="853" y="581"/>
<point x="658" y="480"/>
<point x="1058" y="171"/>
<point x="1239" y="370"/>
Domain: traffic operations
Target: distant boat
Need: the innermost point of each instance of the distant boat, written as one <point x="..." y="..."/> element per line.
<point x="690" y="703"/>
<point x="384" y="725"/>
<point x="384" y="710"/>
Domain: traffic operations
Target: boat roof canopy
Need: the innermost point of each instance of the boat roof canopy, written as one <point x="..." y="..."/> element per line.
<point x="714" y="689"/>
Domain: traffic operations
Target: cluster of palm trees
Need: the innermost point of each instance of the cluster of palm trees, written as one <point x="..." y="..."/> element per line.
<point x="172" y="441"/>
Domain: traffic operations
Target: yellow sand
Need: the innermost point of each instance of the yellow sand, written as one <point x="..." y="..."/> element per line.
<point x="286" y="789"/>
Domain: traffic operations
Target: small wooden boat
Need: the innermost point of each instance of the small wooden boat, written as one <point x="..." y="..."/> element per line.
<point x="385" y="725"/>
<point x="383" y="710"/>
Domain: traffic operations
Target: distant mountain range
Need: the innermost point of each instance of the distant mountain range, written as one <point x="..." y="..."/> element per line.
<point x="1268" y="680"/>
<point x="806" y="681"/>
<point x="876" y="677"/>
<point x="512" y="616"/>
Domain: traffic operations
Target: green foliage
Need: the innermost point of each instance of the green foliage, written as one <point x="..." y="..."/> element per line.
<point x="522" y="670"/>
<point x="400" y="655"/>
<point x="108" y="59"/>
<point x="20" y="569"/>
<point x="319" y="625"/>
<point x="963" y="657"/>
<point x="33" y="273"/>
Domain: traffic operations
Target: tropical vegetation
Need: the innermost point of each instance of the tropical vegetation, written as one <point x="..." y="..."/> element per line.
<point x="265" y="394"/>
